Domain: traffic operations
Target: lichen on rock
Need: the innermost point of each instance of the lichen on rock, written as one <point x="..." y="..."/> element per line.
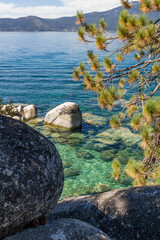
<point x="31" y="175"/>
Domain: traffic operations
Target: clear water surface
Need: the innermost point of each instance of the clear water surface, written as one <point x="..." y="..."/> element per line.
<point x="36" y="68"/>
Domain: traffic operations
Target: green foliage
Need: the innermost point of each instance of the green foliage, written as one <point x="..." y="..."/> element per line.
<point x="122" y="32"/>
<point x="141" y="81"/>
<point x="136" y="121"/>
<point x="142" y="20"/>
<point x="116" y="166"/>
<point x="115" y="121"/>
<point x="151" y="110"/>
<point x="92" y="29"/>
<point x="76" y="74"/>
<point x="133" y="76"/>
<point x="81" y="33"/>
<point x="99" y="76"/>
<point x="122" y="82"/>
<point x="109" y="66"/>
<point x="106" y="97"/>
<point x="146" y="6"/>
<point x="137" y="57"/>
<point x="91" y="56"/>
<point x="156" y="68"/>
<point x="102" y="23"/>
<point x="126" y="4"/>
<point x="100" y="41"/>
<point x="156" y="5"/>
<point x="82" y="67"/>
<point x="132" y="22"/>
<point x="95" y="65"/>
<point x="119" y="57"/>
<point x="135" y="169"/>
<point x="124" y="17"/>
<point x="146" y="133"/>
<point x="80" y="17"/>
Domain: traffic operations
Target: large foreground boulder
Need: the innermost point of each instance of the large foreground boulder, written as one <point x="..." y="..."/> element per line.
<point x="123" y="214"/>
<point x="67" y="115"/>
<point x="31" y="175"/>
<point x="62" y="229"/>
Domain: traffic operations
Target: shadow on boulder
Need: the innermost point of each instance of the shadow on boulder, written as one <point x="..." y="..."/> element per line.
<point x="123" y="214"/>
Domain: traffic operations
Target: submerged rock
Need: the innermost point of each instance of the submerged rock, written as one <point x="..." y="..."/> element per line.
<point x="76" y="138"/>
<point x="31" y="175"/>
<point x="125" y="135"/>
<point x="106" y="140"/>
<point x="67" y="164"/>
<point x="102" y="187"/>
<point x="123" y="214"/>
<point x="85" y="190"/>
<point x="70" y="172"/>
<point x="108" y="155"/>
<point x="67" y="115"/>
<point x="93" y="119"/>
<point x="35" y="121"/>
<point x="84" y="155"/>
<point x="62" y="229"/>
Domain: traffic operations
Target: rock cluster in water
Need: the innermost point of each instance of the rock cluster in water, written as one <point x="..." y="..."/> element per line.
<point x="31" y="175"/>
<point x="66" y="115"/>
<point x="21" y="112"/>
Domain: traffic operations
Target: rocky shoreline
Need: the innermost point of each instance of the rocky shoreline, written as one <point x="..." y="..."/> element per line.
<point x="31" y="182"/>
<point x="122" y="214"/>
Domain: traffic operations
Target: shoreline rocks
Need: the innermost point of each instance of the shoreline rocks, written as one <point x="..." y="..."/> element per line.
<point x="120" y="214"/>
<point x="67" y="115"/>
<point x="62" y="229"/>
<point x="93" y="119"/>
<point x="29" y="112"/>
<point x="21" y="112"/>
<point x="31" y="175"/>
<point x="123" y="214"/>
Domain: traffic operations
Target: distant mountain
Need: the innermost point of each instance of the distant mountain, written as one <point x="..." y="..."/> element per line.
<point x="65" y="24"/>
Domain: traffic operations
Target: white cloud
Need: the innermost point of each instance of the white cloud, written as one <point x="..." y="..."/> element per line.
<point x="67" y="8"/>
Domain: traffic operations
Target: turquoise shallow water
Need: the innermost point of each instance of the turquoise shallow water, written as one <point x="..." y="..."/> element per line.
<point x="36" y="68"/>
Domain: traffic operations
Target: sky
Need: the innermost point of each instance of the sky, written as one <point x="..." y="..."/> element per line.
<point x="52" y="8"/>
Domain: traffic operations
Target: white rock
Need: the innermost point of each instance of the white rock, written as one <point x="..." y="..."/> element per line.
<point x="30" y="112"/>
<point x="20" y="109"/>
<point x="17" y="118"/>
<point x="67" y="115"/>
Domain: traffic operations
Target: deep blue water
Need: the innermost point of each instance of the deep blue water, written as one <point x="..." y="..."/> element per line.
<point x="36" y="68"/>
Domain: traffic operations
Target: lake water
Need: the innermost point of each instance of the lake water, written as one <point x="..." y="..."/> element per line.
<point x="36" y="68"/>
